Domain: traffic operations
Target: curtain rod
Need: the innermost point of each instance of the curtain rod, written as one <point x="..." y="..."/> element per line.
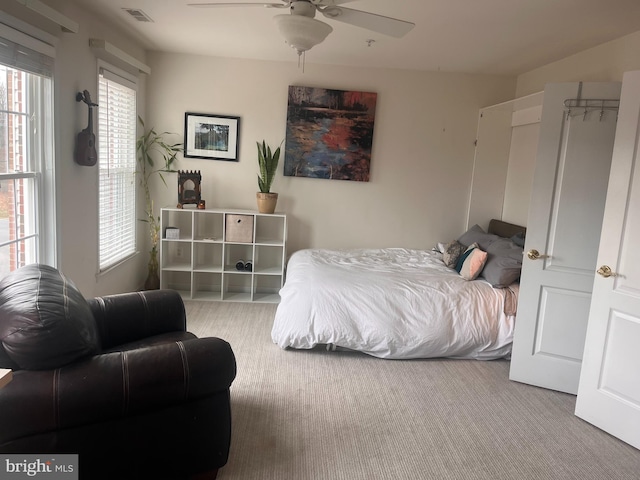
<point x="65" y="23"/>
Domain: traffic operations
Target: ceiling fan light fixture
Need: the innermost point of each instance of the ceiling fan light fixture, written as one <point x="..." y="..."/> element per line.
<point x="300" y="32"/>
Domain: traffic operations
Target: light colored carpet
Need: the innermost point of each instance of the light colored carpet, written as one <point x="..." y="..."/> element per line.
<point x="341" y="415"/>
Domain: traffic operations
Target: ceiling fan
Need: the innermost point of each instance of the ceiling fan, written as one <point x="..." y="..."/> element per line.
<point x="302" y="31"/>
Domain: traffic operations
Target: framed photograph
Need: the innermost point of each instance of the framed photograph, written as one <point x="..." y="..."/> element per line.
<point x="211" y="136"/>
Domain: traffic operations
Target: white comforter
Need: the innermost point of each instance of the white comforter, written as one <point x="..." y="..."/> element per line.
<point x="391" y="303"/>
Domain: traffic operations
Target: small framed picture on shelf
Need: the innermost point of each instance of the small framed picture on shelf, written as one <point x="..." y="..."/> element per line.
<point x="211" y="136"/>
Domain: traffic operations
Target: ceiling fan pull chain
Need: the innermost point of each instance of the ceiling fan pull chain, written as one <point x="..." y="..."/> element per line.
<point x="302" y="56"/>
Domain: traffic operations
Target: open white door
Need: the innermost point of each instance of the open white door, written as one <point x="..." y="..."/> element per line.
<point x="563" y="230"/>
<point x="609" y="391"/>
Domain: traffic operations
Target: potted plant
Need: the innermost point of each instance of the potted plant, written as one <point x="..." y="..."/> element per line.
<point x="268" y="163"/>
<point x="149" y="145"/>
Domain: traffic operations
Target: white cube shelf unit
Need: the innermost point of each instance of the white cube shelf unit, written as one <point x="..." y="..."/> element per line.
<point x="201" y="264"/>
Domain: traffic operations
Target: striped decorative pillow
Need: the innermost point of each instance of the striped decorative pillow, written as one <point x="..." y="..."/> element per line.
<point x="471" y="262"/>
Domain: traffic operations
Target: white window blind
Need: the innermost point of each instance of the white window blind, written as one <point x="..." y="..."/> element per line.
<point x="117" y="165"/>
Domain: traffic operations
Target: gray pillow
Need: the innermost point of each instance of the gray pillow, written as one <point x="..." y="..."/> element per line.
<point x="518" y="239"/>
<point x="477" y="235"/>
<point x="504" y="263"/>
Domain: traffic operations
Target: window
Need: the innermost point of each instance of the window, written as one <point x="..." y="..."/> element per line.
<point x="117" y="166"/>
<point x="27" y="196"/>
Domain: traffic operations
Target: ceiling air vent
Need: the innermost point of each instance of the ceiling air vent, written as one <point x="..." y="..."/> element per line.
<point x="138" y="14"/>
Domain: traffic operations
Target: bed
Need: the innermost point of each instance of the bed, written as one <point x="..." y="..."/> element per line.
<point x="399" y="303"/>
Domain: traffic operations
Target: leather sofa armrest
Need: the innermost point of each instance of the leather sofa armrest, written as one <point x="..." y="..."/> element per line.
<point x="115" y="385"/>
<point x="128" y="317"/>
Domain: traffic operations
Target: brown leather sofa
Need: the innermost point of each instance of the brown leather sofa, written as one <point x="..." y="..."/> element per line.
<point x="116" y="379"/>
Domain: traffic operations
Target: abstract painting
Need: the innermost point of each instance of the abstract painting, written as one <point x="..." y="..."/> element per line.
<point x="329" y="133"/>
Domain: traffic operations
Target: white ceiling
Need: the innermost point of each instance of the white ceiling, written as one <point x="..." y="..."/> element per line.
<point x="476" y="36"/>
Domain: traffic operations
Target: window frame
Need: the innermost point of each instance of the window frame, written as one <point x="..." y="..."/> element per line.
<point x="116" y="75"/>
<point x="39" y="145"/>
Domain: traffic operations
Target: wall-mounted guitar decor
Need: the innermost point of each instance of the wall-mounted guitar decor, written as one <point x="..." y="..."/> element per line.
<point x="85" y="153"/>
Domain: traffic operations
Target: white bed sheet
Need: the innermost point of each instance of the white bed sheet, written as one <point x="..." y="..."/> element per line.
<point x="391" y="303"/>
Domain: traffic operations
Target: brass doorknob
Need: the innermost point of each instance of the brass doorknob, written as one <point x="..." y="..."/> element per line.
<point x="605" y="271"/>
<point x="533" y="254"/>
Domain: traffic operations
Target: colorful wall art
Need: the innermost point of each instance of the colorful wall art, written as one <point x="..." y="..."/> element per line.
<point x="329" y="133"/>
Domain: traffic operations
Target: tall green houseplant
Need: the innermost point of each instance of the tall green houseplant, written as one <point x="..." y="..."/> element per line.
<point x="268" y="164"/>
<point x="150" y="145"/>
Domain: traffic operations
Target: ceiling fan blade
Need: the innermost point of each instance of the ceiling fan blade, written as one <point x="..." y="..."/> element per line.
<point x="285" y="4"/>
<point x="377" y="23"/>
<point x="245" y="4"/>
<point x="329" y="3"/>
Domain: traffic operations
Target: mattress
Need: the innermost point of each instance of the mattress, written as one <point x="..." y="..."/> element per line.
<point x="392" y="303"/>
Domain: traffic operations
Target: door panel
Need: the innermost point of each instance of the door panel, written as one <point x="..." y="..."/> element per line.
<point x="579" y="194"/>
<point x="620" y="349"/>
<point x="565" y="313"/>
<point x="490" y="166"/>
<point x="629" y="283"/>
<point x="609" y="392"/>
<point x="564" y="223"/>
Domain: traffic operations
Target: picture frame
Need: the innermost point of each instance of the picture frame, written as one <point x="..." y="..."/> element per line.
<point x="211" y="136"/>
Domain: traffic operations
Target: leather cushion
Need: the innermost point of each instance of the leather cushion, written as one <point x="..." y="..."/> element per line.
<point x="45" y="322"/>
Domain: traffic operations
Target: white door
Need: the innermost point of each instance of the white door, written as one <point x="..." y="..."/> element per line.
<point x="563" y="232"/>
<point x="609" y="393"/>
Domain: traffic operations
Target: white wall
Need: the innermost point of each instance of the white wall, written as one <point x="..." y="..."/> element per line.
<point x="422" y="155"/>
<point x="76" y="70"/>
<point x="604" y="63"/>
